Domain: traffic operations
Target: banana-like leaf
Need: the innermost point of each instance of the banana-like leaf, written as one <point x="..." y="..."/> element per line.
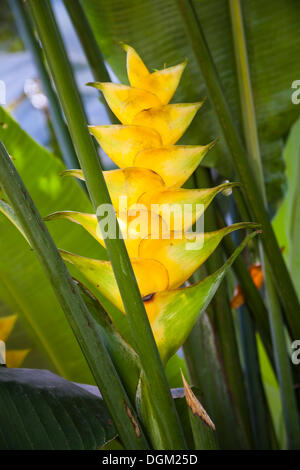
<point x="273" y="24"/>
<point x="182" y="254"/>
<point x="8" y="211"/>
<point x="23" y="284"/>
<point x="42" y="411"/>
<point x="287" y="221"/>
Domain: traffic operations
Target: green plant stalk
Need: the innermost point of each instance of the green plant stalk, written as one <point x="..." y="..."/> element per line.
<point x="207" y="374"/>
<point x="280" y="273"/>
<point x="260" y="416"/>
<point x="223" y="321"/>
<point x="204" y="437"/>
<point x="72" y="304"/>
<point x="141" y="330"/>
<point x="253" y="298"/>
<point x="291" y="418"/>
<point x="90" y="47"/>
<point x="60" y="128"/>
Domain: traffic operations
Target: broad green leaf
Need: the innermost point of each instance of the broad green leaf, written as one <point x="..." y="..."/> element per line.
<point x="272" y="391"/>
<point x="273" y="43"/>
<point x="42" y="411"/>
<point x="287" y="221"/>
<point x="23" y="284"/>
<point x="8" y="211"/>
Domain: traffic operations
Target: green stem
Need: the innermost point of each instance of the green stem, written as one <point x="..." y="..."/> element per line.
<point x="252" y="296"/>
<point x="145" y="345"/>
<point x="61" y="131"/>
<point x="73" y="306"/>
<point x="224" y="321"/>
<point x="90" y="47"/>
<point x="280" y="273"/>
<point x="292" y="423"/>
<point x="260" y="416"/>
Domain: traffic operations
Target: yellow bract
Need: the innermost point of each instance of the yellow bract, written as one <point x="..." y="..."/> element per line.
<point x="122" y="143"/>
<point x="150" y="274"/>
<point x="125" y="101"/>
<point x="170" y="121"/>
<point x="163" y="83"/>
<point x="174" y="163"/>
<point x="130" y="182"/>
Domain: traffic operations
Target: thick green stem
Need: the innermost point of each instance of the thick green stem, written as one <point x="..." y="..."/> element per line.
<point x="250" y="130"/>
<point x="223" y="320"/>
<point x="61" y="131"/>
<point x="141" y="330"/>
<point x="90" y="47"/>
<point x="252" y="296"/>
<point x="73" y="306"/>
<point x="242" y="166"/>
<point x="260" y="415"/>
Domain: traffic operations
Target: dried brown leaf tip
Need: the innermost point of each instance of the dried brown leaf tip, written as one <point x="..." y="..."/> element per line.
<point x="195" y="405"/>
<point x="132" y="419"/>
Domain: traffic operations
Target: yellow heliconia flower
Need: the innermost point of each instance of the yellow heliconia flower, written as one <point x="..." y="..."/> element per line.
<point x="157" y="221"/>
